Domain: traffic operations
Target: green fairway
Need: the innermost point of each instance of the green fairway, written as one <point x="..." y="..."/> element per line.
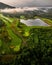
<point x="15" y="40"/>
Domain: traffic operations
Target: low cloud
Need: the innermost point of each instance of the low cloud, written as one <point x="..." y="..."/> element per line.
<point x="15" y="10"/>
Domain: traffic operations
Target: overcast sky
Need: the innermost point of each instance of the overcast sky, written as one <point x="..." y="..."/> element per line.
<point x="31" y="3"/>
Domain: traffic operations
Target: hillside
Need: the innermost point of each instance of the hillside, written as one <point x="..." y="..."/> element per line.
<point x="3" y="6"/>
<point x="24" y="45"/>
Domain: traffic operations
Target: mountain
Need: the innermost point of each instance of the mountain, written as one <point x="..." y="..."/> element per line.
<point x="3" y="6"/>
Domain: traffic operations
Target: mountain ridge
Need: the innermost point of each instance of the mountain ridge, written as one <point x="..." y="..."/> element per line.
<point x="3" y="6"/>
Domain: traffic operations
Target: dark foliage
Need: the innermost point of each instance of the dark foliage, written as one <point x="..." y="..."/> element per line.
<point x="38" y="50"/>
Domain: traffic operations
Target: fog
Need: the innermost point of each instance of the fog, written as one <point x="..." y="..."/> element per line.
<point x="14" y="10"/>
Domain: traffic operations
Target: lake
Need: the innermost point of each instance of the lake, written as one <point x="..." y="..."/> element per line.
<point x="34" y="22"/>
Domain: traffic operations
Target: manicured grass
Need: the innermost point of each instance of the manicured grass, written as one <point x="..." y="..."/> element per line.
<point x="15" y="40"/>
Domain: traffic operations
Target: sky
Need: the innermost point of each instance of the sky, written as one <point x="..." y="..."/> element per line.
<point x="28" y="3"/>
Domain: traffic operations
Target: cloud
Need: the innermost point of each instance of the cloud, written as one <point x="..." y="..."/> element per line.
<point x="23" y="3"/>
<point x="15" y="10"/>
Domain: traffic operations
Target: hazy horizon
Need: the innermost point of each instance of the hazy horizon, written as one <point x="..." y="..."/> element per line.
<point x="28" y="3"/>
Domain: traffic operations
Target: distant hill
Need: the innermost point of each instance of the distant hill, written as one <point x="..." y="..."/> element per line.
<point x="3" y="6"/>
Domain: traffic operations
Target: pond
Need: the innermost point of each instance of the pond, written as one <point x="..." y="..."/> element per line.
<point x="34" y="22"/>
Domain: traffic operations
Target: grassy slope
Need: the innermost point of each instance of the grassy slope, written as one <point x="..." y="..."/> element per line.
<point x="16" y="41"/>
